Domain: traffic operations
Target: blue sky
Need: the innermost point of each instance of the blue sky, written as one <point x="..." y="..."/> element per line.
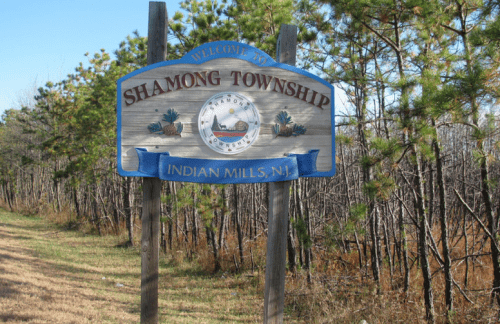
<point x="46" y="40"/>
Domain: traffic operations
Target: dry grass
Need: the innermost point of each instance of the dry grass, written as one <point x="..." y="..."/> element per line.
<point x="341" y="293"/>
<point x="51" y="275"/>
<point x="48" y="276"/>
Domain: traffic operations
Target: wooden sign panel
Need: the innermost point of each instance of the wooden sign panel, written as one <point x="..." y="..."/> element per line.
<point x="225" y="113"/>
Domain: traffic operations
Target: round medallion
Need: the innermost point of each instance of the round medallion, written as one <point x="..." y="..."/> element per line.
<point x="229" y="123"/>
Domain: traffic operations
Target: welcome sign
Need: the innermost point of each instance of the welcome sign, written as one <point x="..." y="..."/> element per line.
<point x="225" y="113"/>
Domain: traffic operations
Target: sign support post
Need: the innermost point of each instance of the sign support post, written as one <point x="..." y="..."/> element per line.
<point x="151" y="186"/>
<point x="279" y="197"/>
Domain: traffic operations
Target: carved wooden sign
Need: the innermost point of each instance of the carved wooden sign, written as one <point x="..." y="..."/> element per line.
<point x="225" y="113"/>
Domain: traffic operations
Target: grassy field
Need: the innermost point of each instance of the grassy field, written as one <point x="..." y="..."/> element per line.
<point x="49" y="274"/>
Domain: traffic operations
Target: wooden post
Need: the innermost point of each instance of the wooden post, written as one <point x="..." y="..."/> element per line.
<point x="150" y="250"/>
<point x="286" y="51"/>
<point x="150" y="243"/>
<point x="274" y="290"/>
<point x="279" y="196"/>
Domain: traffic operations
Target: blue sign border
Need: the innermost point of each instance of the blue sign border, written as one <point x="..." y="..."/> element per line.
<point x="212" y="51"/>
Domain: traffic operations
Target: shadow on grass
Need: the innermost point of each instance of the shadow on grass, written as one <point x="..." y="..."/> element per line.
<point x="24" y="227"/>
<point x="125" y="245"/>
<point x="10" y="251"/>
<point x="15" y="318"/>
<point x="193" y="270"/>
<point x="8" y="288"/>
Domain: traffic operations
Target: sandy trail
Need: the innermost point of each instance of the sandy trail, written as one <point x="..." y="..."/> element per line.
<point x="35" y="290"/>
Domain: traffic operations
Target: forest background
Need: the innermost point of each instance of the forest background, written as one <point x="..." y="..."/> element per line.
<point x="411" y="218"/>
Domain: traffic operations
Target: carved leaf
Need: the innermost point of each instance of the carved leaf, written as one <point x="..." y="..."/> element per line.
<point x="155" y="127"/>
<point x="283" y="118"/>
<point x="276" y="129"/>
<point x="298" y="130"/>
<point x="171" y="116"/>
<point x="179" y="128"/>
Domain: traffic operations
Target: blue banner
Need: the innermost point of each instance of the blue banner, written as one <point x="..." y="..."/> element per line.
<point x="171" y="168"/>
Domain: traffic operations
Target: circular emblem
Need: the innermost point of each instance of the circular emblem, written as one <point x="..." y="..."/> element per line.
<point x="229" y="123"/>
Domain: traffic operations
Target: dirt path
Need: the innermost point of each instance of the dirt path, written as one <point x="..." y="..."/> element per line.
<point x="36" y="290"/>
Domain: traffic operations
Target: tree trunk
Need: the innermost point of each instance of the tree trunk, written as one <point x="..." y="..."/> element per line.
<point x="443" y="218"/>
<point x="308" y="249"/>
<point x="213" y="242"/>
<point x="176" y="213"/>
<point x="404" y="244"/>
<point x="194" y="232"/>
<point x="292" y="254"/>
<point x="492" y="227"/>
<point x="238" y="224"/>
<point x="222" y="229"/>
<point x="423" y="247"/>
<point x="388" y="250"/>
<point x="375" y="250"/>
<point x="77" y="204"/>
<point x="464" y="227"/>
